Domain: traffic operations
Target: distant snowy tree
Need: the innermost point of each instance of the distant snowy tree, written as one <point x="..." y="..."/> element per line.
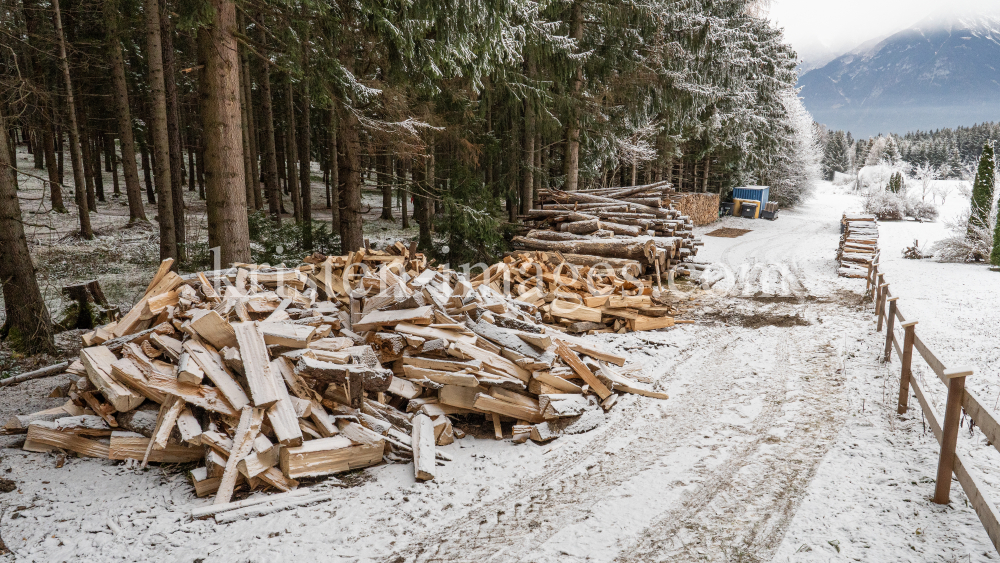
<point x="926" y="175"/>
<point x="799" y="166"/>
<point x="836" y="155"/>
<point x="981" y="203"/>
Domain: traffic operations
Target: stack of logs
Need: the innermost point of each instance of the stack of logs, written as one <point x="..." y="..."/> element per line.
<point x="268" y="375"/>
<point x="635" y="225"/>
<point x="858" y="245"/>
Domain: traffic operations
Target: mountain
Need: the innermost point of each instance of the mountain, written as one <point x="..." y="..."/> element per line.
<point x="942" y="72"/>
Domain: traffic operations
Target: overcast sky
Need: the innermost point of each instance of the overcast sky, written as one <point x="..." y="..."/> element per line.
<point x="814" y="26"/>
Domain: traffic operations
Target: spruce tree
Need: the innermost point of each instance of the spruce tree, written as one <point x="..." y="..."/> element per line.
<point x="982" y="190"/>
<point x="995" y="255"/>
<point x="896" y="182"/>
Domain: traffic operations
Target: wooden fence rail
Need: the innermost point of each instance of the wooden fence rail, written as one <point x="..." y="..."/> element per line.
<point x="950" y="461"/>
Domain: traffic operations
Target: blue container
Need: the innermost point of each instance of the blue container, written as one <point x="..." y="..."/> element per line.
<point x="759" y="193"/>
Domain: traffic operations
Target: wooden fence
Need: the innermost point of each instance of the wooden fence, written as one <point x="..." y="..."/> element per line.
<point x="888" y="312"/>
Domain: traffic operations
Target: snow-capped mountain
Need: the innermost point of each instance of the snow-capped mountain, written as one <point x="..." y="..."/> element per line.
<point x="942" y="72"/>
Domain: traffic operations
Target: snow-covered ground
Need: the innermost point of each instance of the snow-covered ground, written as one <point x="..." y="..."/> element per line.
<point x="779" y="442"/>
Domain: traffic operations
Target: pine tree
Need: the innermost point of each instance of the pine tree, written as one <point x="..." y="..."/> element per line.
<point x="982" y="190"/>
<point x="896" y="182"/>
<point x="995" y="254"/>
<point x="891" y="152"/>
<point x="836" y="156"/>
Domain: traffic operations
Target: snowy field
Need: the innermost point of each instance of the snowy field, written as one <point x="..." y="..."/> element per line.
<point x="779" y="442"/>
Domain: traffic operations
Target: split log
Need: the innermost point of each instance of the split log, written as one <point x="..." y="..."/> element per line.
<point x="422" y="442"/>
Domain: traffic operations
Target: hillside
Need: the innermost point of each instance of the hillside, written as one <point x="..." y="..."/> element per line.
<point x="941" y="72"/>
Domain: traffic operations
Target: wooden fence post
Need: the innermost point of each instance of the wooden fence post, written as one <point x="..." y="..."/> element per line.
<point x="909" y="332"/>
<point x="949" y="432"/>
<point x="888" y="329"/>
<point x="883" y="292"/>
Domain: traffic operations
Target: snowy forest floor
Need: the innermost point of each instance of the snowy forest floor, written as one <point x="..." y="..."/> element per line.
<point x="779" y="442"/>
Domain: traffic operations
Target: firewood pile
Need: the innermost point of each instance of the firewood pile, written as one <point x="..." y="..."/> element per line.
<point x="264" y="376"/>
<point x="637" y="223"/>
<point x="858" y="245"/>
<point x="583" y="297"/>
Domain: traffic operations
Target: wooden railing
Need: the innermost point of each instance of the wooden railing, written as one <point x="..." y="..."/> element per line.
<point x="887" y="311"/>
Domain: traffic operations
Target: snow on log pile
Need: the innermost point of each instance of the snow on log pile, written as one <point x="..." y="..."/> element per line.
<point x="858" y="245"/>
<point x="636" y="223"/>
<point x="264" y="376"/>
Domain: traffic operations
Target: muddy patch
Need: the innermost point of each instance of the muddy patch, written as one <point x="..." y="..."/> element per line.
<point x="757" y="319"/>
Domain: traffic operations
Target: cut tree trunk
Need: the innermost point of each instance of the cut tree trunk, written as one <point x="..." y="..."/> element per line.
<point x="614" y="248"/>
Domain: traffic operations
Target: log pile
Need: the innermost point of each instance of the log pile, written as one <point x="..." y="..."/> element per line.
<point x="265" y="376"/>
<point x="636" y="223"/>
<point x="858" y="245"/>
<point x="702" y="208"/>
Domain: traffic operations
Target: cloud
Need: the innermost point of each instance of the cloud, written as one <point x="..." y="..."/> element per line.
<point x="818" y="29"/>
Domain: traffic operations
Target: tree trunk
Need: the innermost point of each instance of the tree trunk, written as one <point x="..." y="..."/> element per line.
<point x="528" y="164"/>
<point x="305" y="168"/>
<point x="292" y="149"/>
<point x="269" y="160"/>
<point x="384" y="174"/>
<point x="89" y="174"/>
<point x="245" y="139"/>
<point x="192" y="175"/>
<point x="220" y="112"/>
<point x="74" y="134"/>
<point x="146" y="169"/>
<point x="55" y="182"/>
<point x="334" y="174"/>
<point x="404" y="194"/>
<point x="111" y="160"/>
<point x="173" y="131"/>
<point x="704" y="178"/>
<point x="28" y="328"/>
<point x="422" y="203"/>
<point x="572" y="163"/>
<point x="60" y="148"/>
<point x="349" y="178"/>
<point x="160" y="137"/>
<point x="253" y="171"/>
<point x="200" y="172"/>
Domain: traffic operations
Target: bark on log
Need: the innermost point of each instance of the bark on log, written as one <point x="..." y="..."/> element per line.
<point x="620" y="229"/>
<point x="37" y="374"/>
<point x="627" y="249"/>
<point x="581" y="227"/>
